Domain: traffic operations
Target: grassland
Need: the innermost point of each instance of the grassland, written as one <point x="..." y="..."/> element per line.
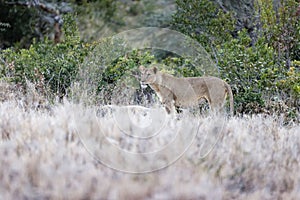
<point x="43" y="156"/>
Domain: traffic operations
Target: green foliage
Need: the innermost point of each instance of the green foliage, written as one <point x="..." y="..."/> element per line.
<point x="251" y="71"/>
<point x="122" y="73"/>
<point x="46" y="64"/>
<point x="281" y="25"/>
<point x="257" y="68"/>
<point x="179" y="67"/>
<point x="204" y="21"/>
<point x="21" y="29"/>
<point x="291" y="82"/>
<point x="4" y="26"/>
<point x="125" y="66"/>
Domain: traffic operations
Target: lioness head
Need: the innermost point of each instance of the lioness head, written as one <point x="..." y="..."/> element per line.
<point x="148" y="75"/>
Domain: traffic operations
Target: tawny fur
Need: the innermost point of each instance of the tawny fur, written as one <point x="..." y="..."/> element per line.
<point x="180" y="92"/>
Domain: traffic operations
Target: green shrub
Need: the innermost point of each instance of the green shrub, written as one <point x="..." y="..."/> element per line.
<point x="179" y="67"/>
<point x="204" y="21"/>
<point x="126" y="65"/>
<point x="280" y="25"/>
<point x="290" y="84"/>
<point x="48" y="65"/>
<point x="123" y="69"/>
<point x="251" y="71"/>
<point x="258" y="67"/>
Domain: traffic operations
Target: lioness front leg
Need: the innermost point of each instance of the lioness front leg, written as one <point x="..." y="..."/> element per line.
<point x="169" y="106"/>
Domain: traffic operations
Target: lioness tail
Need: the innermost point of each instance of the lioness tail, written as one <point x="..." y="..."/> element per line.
<point x="229" y="91"/>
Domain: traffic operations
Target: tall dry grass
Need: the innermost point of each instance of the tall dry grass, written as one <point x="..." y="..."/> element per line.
<point x="43" y="157"/>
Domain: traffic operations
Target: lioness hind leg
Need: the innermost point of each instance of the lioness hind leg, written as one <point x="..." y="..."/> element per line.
<point x="217" y="103"/>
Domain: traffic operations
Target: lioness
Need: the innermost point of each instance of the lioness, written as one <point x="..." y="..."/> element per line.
<point x="173" y="91"/>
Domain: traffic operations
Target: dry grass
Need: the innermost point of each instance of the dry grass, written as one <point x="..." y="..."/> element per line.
<point x="42" y="157"/>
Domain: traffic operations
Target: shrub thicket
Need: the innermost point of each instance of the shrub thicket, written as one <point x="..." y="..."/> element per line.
<point x="263" y="69"/>
<point x="46" y="64"/>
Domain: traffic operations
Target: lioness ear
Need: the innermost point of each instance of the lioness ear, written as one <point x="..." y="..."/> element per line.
<point x="141" y="68"/>
<point x="154" y="70"/>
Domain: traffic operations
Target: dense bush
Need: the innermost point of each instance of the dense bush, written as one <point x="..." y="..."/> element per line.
<point x="180" y="67"/>
<point x="260" y="68"/>
<point x="47" y="65"/>
<point x="251" y="71"/>
<point x="125" y="70"/>
<point x="203" y="21"/>
<point x="280" y="25"/>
